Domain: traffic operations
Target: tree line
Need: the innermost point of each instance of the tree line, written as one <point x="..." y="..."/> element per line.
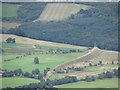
<point x="36" y="74"/>
<point x="68" y="79"/>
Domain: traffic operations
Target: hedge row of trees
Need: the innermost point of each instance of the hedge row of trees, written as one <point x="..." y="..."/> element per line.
<point x="68" y="79"/>
<point x="19" y="73"/>
<point x="100" y="63"/>
<point x="71" y="69"/>
<point x="108" y="74"/>
<point x="59" y="51"/>
<point x="14" y="58"/>
<point x="50" y="83"/>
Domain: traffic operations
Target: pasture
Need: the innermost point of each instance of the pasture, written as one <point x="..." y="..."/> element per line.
<point x="46" y="60"/>
<point x="15" y="82"/>
<point x="26" y="62"/>
<point x="106" y="83"/>
<point x="21" y="54"/>
<point x="9" y="10"/>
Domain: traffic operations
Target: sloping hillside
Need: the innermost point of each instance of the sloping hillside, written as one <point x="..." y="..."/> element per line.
<point x="60" y="11"/>
<point x="95" y="25"/>
<point x="24" y="40"/>
<point x="92" y="56"/>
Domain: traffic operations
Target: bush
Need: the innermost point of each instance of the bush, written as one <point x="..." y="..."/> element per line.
<point x="36" y="60"/>
<point x="10" y="40"/>
<point x="109" y="74"/>
<point x="90" y="64"/>
<point x="101" y="76"/>
<point x="88" y="79"/>
<point x="100" y="63"/>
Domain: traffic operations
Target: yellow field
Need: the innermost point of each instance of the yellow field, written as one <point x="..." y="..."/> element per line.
<point x="60" y="11"/>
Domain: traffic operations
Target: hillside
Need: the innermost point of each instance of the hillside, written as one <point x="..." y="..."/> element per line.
<point x="54" y="45"/>
<point x="93" y="56"/>
<point x="24" y="40"/>
<point x="25" y="49"/>
<point x="94" y="26"/>
<point x="55" y="61"/>
<point x="60" y="11"/>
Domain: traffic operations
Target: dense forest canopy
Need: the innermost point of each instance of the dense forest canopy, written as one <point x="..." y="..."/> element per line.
<point x="98" y="25"/>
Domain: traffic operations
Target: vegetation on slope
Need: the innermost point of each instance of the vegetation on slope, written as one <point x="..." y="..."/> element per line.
<point x="97" y="25"/>
<point x="50" y="54"/>
<point x="49" y="57"/>
<point x="60" y="11"/>
<point x="30" y="11"/>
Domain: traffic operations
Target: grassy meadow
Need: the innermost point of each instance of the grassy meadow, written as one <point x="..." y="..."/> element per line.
<point x="21" y="56"/>
<point x="46" y="60"/>
<point x="26" y="63"/>
<point x="14" y="82"/>
<point x="106" y="83"/>
<point x="9" y="10"/>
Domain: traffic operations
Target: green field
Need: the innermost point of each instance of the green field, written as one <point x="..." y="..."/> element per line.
<point x="107" y="83"/>
<point x="26" y="63"/>
<point x="9" y="10"/>
<point x="14" y="82"/>
<point x="46" y="60"/>
<point x="20" y="55"/>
